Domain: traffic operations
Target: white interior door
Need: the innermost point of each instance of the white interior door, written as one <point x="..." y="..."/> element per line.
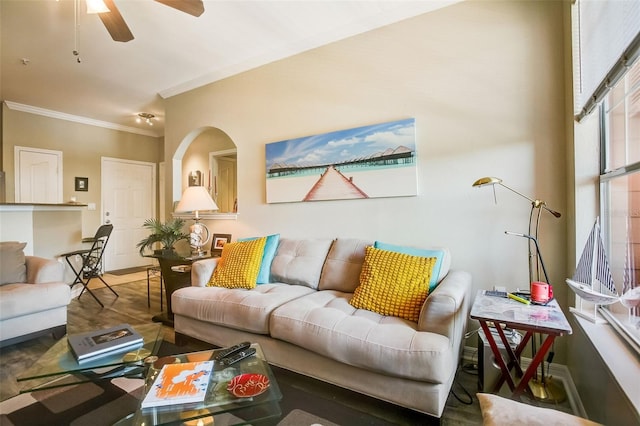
<point x="226" y="184"/>
<point x="128" y="199"/>
<point x="38" y="175"/>
<point x="223" y="165"/>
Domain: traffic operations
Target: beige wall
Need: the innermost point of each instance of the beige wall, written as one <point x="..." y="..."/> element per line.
<point x="486" y="83"/>
<point x="48" y="231"/>
<point x="82" y="145"/>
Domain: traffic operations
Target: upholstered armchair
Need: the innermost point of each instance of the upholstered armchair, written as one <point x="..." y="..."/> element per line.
<point x="33" y="295"/>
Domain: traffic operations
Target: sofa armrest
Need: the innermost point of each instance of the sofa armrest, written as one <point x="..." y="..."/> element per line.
<point x="201" y="271"/>
<point x="446" y="310"/>
<point x="41" y="270"/>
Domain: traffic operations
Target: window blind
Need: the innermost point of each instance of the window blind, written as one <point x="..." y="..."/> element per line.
<point x="606" y="41"/>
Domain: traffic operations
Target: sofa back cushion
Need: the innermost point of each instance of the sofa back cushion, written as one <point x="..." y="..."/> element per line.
<point x="299" y="262"/>
<point x="343" y="265"/>
<point x="13" y="267"/>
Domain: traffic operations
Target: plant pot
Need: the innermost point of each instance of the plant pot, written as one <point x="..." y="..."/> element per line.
<point x="164" y="251"/>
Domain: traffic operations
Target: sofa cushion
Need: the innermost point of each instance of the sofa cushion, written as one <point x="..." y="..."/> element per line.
<point x="25" y="299"/>
<point x="270" y="248"/>
<point x="442" y="255"/>
<point x="299" y="262"/>
<point x="239" y="265"/>
<point x="393" y="283"/>
<point x="324" y="322"/>
<point x="13" y="268"/>
<point x="343" y="265"/>
<point x="240" y="309"/>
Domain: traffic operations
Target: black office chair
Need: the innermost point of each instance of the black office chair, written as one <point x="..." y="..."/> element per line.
<point x="91" y="261"/>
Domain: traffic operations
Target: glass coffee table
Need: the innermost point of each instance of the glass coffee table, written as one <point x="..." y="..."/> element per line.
<point x="58" y="367"/>
<point x="219" y="400"/>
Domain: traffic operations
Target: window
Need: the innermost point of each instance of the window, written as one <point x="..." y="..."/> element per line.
<point x="620" y="193"/>
<point x="606" y="39"/>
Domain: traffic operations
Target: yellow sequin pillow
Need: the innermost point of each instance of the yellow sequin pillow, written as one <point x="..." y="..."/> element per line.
<point x="239" y="265"/>
<point x="393" y="284"/>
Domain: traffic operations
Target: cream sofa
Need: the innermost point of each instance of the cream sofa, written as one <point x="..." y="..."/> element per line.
<point x="304" y="322"/>
<point x="33" y="295"/>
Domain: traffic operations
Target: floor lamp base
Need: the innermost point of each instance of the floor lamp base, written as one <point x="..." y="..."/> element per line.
<point x="548" y="390"/>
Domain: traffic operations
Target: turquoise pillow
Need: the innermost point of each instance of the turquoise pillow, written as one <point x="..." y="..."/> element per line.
<point x="267" y="257"/>
<point x="438" y="254"/>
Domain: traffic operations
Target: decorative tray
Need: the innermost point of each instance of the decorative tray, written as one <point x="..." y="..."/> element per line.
<point x="248" y="385"/>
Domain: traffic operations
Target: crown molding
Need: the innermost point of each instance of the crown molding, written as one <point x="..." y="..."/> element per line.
<point x="77" y="119"/>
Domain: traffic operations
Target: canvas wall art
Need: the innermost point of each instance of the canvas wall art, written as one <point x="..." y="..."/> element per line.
<point x="364" y="162"/>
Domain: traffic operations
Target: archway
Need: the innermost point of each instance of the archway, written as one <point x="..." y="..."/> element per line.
<point x="195" y="163"/>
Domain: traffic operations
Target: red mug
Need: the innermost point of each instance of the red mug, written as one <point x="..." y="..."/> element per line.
<point x="541" y="292"/>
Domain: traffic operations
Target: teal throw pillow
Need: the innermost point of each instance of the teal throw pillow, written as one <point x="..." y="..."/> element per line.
<point x="269" y="253"/>
<point x="438" y="254"/>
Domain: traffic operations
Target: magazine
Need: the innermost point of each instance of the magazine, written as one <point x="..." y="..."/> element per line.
<point x="99" y="343"/>
<point x="181" y="383"/>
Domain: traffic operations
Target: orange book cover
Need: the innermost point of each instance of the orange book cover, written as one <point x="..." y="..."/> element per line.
<point x="181" y="383"/>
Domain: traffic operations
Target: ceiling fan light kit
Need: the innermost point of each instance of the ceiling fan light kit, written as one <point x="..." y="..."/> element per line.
<point x="116" y="25"/>
<point x="146" y="117"/>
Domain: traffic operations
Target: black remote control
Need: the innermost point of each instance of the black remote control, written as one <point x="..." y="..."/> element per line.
<point x="238" y="356"/>
<point x="231" y="350"/>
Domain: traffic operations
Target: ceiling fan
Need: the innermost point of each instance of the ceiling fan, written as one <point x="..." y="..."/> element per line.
<point x="118" y="28"/>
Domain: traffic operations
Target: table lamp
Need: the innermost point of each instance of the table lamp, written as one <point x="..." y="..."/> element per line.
<point x="196" y="199"/>
<point x="543" y="388"/>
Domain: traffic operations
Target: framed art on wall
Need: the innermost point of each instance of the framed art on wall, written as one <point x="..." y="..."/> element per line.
<point x="364" y="162"/>
<point x="218" y="242"/>
<point x="82" y="184"/>
<point x="195" y="178"/>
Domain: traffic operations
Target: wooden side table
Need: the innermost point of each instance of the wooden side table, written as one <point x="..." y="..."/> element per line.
<point x="174" y="279"/>
<point x="503" y="312"/>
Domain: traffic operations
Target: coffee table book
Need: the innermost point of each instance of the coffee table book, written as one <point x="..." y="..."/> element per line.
<point x="95" y="344"/>
<point x="180" y="383"/>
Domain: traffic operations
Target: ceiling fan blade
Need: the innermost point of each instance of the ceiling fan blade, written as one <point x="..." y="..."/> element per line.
<point x="192" y="7"/>
<point x="115" y="24"/>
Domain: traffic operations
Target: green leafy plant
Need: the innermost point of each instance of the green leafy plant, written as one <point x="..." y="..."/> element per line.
<point x="167" y="234"/>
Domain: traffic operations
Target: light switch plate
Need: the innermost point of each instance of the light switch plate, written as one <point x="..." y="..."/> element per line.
<point x="91" y="206"/>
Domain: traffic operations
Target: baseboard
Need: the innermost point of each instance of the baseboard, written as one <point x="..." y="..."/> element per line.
<point x="558" y="371"/>
<point x="75" y="290"/>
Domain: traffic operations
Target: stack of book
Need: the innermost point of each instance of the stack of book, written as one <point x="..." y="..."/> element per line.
<point x="87" y="347"/>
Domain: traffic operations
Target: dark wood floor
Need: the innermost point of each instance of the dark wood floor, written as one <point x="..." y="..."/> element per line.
<point x="84" y="315"/>
<point x="131" y="307"/>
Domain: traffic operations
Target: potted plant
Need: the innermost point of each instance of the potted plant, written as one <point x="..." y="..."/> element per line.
<point x="167" y="234"/>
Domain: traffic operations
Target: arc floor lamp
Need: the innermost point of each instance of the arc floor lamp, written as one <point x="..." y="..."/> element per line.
<point x="543" y="388"/>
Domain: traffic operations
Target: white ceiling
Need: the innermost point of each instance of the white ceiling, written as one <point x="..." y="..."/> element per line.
<point x="172" y="52"/>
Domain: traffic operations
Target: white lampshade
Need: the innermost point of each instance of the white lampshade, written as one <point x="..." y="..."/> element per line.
<point x="194" y="199"/>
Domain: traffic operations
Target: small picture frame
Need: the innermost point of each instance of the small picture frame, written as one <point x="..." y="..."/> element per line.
<point x="195" y="178"/>
<point x="218" y="242"/>
<point x="82" y="184"/>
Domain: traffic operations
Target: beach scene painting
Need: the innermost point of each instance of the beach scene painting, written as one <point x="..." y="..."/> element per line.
<point x="364" y="162"/>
